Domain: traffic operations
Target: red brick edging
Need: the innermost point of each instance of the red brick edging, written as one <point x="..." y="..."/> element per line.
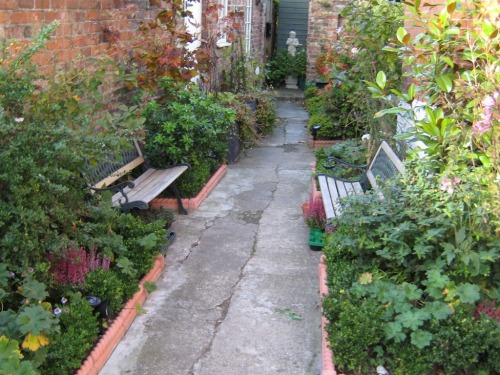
<point x="326" y="352"/>
<point x="108" y="342"/>
<point x="192" y="203"/>
<point x="321" y="143"/>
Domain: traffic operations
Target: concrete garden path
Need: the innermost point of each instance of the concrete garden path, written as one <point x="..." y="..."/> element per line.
<point x="239" y="294"/>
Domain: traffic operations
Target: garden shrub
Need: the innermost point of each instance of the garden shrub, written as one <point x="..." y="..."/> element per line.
<point x="283" y="65"/>
<point x="422" y="254"/>
<point x="142" y="241"/>
<point x="357" y="333"/>
<point x="79" y="330"/>
<point x="50" y="127"/>
<point x="192" y="129"/>
<point x="265" y="112"/>
<point x="112" y="287"/>
<point x="427" y="253"/>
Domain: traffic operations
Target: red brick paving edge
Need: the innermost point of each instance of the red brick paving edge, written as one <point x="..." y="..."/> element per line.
<point x="113" y="335"/>
<point x="192" y="203"/>
<point x="326" y="352"/>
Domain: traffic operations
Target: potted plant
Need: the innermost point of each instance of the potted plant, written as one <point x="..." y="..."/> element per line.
<point x="285" y="65"/>
<point x="315" y="218"/>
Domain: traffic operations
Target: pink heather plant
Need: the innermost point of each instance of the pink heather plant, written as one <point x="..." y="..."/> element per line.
<point x="316" y="216"/>
<point x="75" y="263"/>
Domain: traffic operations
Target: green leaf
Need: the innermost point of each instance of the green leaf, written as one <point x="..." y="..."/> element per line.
<point x="448" y="61"/>
<point x="34" y="290"/>
<point x="445" y="83"/>
<point x="10" y="358"/>
<point x="421" y="338"/>
<point x="149" y="242"/>
<point x="489" y="28"/>
<point x="438" y="309"/>
<point x="4" y="275"/>
<point x="412" y="319"/>
<point x="468" y="293"/>
<point x="394" y="330"/>
<point x="435" y="278"/>
<point x="411" y="291"/>
<point x="381" y="79"/>
<point x="393" y="110"/>
<point x="126" y="266"/>
<point x="402" y="36"/>
<point x="34" y="320"/>
<point x="411" y="91"/>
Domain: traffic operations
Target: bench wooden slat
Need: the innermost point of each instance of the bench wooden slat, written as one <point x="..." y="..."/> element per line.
<point x="120" y="172"/>
<point x="150" y="184"/>
<point x="332" y="190"/>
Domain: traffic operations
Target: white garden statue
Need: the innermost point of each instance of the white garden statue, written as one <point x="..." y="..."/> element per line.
<point x="292" y="43"/>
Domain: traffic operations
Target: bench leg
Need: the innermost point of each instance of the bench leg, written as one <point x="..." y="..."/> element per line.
<point x="181" y="208"/>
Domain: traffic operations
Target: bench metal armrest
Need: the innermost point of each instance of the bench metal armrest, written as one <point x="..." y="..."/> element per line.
<point x="118" y="188"/>
<point x="339" y="163"/>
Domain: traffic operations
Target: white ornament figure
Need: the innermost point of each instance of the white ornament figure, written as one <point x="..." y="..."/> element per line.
<point x="292" y="43"/>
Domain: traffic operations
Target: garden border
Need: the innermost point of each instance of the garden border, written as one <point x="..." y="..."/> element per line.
<point x="192" y="203"/>
<point x="98" y="357"/>
<point x="326" y="352"/>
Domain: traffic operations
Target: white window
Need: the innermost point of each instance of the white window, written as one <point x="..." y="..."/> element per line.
<point x="245" y="8"/>
<point x="223" y="11"/>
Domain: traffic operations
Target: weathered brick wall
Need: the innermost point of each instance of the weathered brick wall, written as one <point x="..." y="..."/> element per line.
<point x="258" y="33"/>
<point x="323" y="23"/>
<point x="88" y="27"/>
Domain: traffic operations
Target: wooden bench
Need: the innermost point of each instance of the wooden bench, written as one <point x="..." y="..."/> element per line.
<point x="142" y="190"/>
<point x="384" y="166"/>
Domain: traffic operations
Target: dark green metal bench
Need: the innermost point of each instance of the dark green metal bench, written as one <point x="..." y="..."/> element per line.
<point x="384" y="166"/>
<point x="113" y="174"/>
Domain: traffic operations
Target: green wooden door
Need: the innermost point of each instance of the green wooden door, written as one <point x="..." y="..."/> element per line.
<point x="292" y="15"/>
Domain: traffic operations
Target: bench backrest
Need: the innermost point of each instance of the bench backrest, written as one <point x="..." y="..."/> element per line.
<point x="384" y="165"/>
<point x="115" y="166"/>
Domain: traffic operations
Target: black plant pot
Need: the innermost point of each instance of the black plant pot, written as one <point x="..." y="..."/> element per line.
<point x="234" y="143"/>
<point x="170" y="238"/>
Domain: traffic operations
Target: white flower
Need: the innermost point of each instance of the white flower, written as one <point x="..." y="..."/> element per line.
<point x="354" y="51"/>
<point x="339" y="29"/>
<point x="19" y="119"/>
<point x="365" y="137"/>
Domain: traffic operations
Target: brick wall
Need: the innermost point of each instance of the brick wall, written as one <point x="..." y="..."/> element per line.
<point x="88" y="27"/>
<point x="322" y="31"/>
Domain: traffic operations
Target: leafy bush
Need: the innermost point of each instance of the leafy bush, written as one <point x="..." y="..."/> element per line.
<point x="143" y="240"/>
<point x="357" y="331"/>
<point x="283" y="65"/>
<point x="423" y="253"/>
<point x="79" y="331"/>
<point x="50" y="126"/>
<point x="112" y="287"/>
<point x="192" y="129"/>
<point x="26" y="320"/>
<point x="265" y="112"/>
